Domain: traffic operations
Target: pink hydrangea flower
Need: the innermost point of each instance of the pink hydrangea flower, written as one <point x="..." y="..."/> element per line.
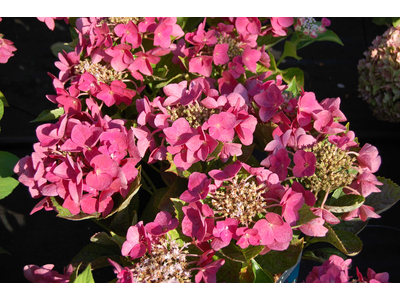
<point x="162" y="224"/>
<point x="315" y="227"/>
<point x="250" y="57"/>
<point x="269" y="102"/>
<point x="304" y="163"/>
<point x="333" y="270"/>
<point x="280" y="24"/>
<point x="247" y="236"/>
<point x="129" y="33"/>
<point x="209" y="271"/>
<point x="46" y="274"/>
<point x="223" y="233"/>
<point x="198" y="187"/>
<point x="124" y="274"/>
<point x="368" y="157"/>
<point x="274" y="232"/>
<point x="137" y="242"/>
<point x="373" y="277"/>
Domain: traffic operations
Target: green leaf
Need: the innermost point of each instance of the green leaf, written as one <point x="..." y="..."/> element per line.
<point x="328" y="35"/>
<point x="59" y="47"/>
<point x="189" y="23"/>
<point x="338" y="192"/>
<point x="85" y="277"/>
<point x="261" y="275"/>
<point x="277" y="262"/>
<point x="268" y="40"/>
<point x="7" y="163"/>
<point x="251" y="252"/>
<point x="1" y="105"/>
<point x="49" y="115"/>
<point x="175" y="190"/>
<point x="164" y="83"/>
<point x="272" y="61"/>
<point x="4" y="100"/>
<point x="229" y="271"/>
<point x="97" y="254"/>
<point x="7" y="185"/>
<point x="3" y="251"/>
<point x="354" y="226"/>
<point x="293" y="87"/>
<point x="347" y="242"/>
<point x="306" y="215"/>
<point x="389" y="195"/>
<point x="290" y="73"/>
<point x="102" y="238"/>
<point x="233" y="252"/>
<point x="344" y="204"/>
<point x="382" y="20"/>
<point x="322" y="254"/>
<point x="395" y="21"/>
<point x="290" y="49"/>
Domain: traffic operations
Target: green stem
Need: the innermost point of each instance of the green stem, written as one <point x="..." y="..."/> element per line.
<point x="101" y="225"/>
<point x="149" y="181"/>
<point x="154" y="168"/>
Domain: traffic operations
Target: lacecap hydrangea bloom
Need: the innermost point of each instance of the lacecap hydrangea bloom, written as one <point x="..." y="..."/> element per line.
<point x="379" y="80"/>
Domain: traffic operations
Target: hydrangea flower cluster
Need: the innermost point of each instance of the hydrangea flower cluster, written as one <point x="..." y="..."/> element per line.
<point x="378" y="76"/>
<point x="309" y="26"/>
<point x="336" y="270"/>
<point x="192" y="121"/>
<point x="259" y="164"/>
<point x="83" y="161"/>
<point x="310" y="156"/>
<point x="163" y="259"/>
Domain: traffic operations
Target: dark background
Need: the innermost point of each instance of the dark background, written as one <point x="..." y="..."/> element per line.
<point x="42" y="238"/>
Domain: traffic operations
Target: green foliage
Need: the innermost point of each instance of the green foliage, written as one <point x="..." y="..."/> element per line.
<point x="7" y="183"/>
<point x="85" y="277"/>
<point x="260" y="275"/>
<point x="380" y="21"/>
<point x="322" y="254"/>
<point x="305" y="40"/>
<point x="97" y="254"/>
<point x="344" y="204"/>
<point x="7" y="163"/>
<point x="389" y="195"/>
<point x="49" y="115"/>
<point x="189" y="23"/>
<point x="345" y="241"/>
<point x="59" y="47"/>
<point x="276" y="262"/>
<point x="2" y="101"/>
<point x="3" y="251"/>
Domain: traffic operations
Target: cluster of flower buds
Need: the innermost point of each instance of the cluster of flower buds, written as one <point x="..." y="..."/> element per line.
<point x="161" y="258"/>
<point x="379" y="83"/>
<point x="83" y="161"/>
<point x="336" y="270"/>
<point x="310" y="27"/>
